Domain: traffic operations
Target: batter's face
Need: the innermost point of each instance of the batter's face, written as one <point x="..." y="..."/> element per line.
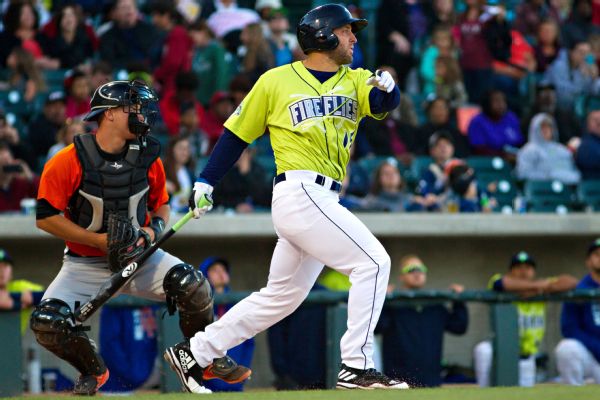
<point x="344" y="52"/>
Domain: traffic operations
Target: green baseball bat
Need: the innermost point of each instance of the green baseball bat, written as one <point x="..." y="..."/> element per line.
<point x="118" y="280"/>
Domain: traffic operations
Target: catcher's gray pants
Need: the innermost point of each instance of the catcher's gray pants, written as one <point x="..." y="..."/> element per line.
<point x="80" y="278"/>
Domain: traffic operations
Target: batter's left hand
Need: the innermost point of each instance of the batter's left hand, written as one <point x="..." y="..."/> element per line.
<point x="382" y="80"/>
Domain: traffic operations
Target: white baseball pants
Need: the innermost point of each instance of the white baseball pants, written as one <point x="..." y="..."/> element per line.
<point x="483" y="356"/>
<point x="575" y="363"/>
<point x="313" y="230"/>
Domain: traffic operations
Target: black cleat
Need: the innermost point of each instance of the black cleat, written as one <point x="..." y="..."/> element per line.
<point x="88" y="385"/>
<point x="353" y="378"/>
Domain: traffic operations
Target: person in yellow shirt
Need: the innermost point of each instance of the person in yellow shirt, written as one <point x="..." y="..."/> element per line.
<point x="17" y="294"/>
<point x="521" y="279"/>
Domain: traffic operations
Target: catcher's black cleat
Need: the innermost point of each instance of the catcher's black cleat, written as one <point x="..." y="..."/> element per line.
<point x="353" y="378"/>
<point x="191" y="375"/>
<point x="88" y="385"/>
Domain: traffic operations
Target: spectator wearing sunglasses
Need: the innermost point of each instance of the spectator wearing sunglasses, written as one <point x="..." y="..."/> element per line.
<point x="413" y="335"/>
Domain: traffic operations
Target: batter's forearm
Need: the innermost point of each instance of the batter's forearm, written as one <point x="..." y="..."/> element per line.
<point x="59" y="226"/>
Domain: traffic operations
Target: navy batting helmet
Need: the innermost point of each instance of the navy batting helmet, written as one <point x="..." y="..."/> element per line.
<point x="315" y="29"/>
<point x="135" y="96"/>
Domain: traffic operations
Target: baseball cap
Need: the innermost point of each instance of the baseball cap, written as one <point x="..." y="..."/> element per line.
<point x="593" y="246"/>
<point x="55" y="96"/>
<point x="439" y="135"/>
<point x="5" y="257"/>
<point x="522" y="257"/>
<point x="260" y="4"/>
<point x="219" y="96"/>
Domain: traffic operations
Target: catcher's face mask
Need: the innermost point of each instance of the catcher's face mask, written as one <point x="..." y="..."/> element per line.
<point x="141" y="106"/>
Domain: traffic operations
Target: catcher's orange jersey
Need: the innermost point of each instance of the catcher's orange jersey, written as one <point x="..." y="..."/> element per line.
<point x="61" y="178"/>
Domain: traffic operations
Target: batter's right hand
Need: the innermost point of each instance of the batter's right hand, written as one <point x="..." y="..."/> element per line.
<point x="198" y="192"/>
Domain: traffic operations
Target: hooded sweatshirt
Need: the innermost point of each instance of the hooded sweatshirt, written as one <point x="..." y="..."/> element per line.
<point x="545" y="160"/>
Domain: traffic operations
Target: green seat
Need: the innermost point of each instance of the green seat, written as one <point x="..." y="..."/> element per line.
<point x="488" y="165"/>
<point x="588" y="193"/>
<point x="549" y="196"/>
<point x="506" y="189"/>
<point x="55" y="79"/>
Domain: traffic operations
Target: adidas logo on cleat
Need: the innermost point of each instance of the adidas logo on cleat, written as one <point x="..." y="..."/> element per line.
<point x="186" y="361"/>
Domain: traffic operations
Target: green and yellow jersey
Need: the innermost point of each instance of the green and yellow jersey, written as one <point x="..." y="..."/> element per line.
<point x="19" y="286"/>
<point x="311" y="124"/>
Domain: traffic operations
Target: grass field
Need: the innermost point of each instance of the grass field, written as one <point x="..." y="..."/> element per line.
<point x="545" y="392"/>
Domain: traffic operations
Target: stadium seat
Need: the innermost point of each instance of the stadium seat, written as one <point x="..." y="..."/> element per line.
<point x="55" y="79"/>
<point x="548" y="196"/>
<point x="506" y="190"/>
<point x="370" y="164"/>
<point x="588" y="193"/>
<point x="488" y="165"/>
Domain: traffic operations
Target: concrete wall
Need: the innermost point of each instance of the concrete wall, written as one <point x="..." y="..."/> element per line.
<point x="462" y="258"/>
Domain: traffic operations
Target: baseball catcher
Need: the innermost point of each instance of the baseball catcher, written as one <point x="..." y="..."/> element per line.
<point x="105" y="196"/>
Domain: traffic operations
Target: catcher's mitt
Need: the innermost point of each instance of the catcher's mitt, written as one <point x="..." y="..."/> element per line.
<point x="122" y="237"/>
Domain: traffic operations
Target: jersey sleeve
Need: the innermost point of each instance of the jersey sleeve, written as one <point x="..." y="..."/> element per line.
<point x="157" y="194"/>
<point x="249" y="120"/>
<point x="363" y="90"/>
<point x="60" y="178"/>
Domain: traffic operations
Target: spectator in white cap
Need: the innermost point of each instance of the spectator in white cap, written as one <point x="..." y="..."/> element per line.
<point x="229" y="17"/>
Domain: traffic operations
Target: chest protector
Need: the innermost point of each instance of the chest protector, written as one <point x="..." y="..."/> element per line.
<point x="118" y="186"/>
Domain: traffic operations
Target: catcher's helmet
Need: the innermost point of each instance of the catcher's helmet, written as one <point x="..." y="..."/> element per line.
<point x="134" y="96"/>
<point x="315" y="29"/>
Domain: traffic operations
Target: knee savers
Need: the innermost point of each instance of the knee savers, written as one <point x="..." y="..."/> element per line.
<point x="54" y="327"/>
<point x="188" y="290"/>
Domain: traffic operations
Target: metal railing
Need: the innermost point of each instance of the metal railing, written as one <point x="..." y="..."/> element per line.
<point x="503" y="319"/>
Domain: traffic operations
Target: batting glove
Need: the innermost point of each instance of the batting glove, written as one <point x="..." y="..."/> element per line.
<point x="198" y="192"/>
<point x="382" y="80"/>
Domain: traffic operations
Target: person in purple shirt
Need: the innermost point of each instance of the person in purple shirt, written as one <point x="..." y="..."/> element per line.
<point x="578" y="354"/>
<point x="495" y="131"/>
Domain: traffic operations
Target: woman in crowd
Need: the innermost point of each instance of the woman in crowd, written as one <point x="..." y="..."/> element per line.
<point x="179" y="169"/>
<point x="65" y="135"/>
<point x="23" y="74"/>
<point x="77" y="87"/>
<point x="547" y="46"/>
<point x="257" y="55"/>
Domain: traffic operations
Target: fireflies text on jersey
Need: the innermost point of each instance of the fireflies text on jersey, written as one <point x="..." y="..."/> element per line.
<point x="317" y="107"/>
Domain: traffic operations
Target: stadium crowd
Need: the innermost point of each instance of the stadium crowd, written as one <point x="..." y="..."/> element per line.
<point x="498" y="113"/>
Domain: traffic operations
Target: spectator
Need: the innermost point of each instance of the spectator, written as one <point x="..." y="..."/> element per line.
<point x="587" y="157"/>
<point x="220" y="108"/>
<point x="476" y="57"/>
<point x="208" y="62"/>
<point x="189" y="126"/>
<point x="466" y="195"/>
<point x="217" y="271"/>
<point x="17" y="294"/>
<point x="284" y="44"/>
<point x="177" y="47"/>
<point x="19" y="148"/>
<point x="388" y="192"/>
<point x="438" y="119"/>
<point x="257" y="56"/>
<point x="442" y="14"/>
<point x="65" y="136"/>
<point x="413" y="336"/>
<point x="228" y="17"/>
<point x="43" y="129"/>
<point x="579" y="26"/>
<point x="77" y="87"/>
<point x="521" y="280"/>
<point x="433" y="183"/>
<point x="101" y="73"/>
<point x="578" y="354"/>
<point x="393" y="43"/>
<point x="547" y="47"/>
<point x="244" y="188"/>
<point x="442" y="44"/>
<point x="182" y="97"/>
<point x="449" y="81"/>
<point x="17" y="182"/>
<point x="67" y="40"/>
<point x="530" y="15"/>
<point x="396" y="134"/>
<point x="20" y="23"/>
<point x="508" y="73"/>
<point x="264" y="8"/>
<point x="545" y="102"/>
<point x="23" y="74"/>
<point x="179" y="169"/>
<point x="129" y="347"/>
<point x="130" y="38"/>
<point x="495" y="131"/>
<point x="573" y="73"/>
<point x="543" y="158"/>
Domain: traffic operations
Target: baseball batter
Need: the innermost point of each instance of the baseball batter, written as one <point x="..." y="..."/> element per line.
<point x="312" y="110"/>
<point x="114" y="177"/>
